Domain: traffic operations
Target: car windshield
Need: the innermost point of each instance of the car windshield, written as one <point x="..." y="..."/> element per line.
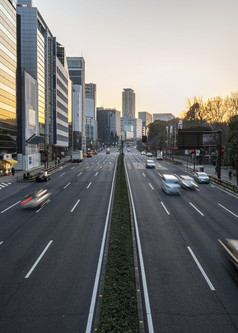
<point x="172" y="181"/>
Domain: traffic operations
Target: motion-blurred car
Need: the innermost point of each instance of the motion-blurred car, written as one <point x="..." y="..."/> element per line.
<point x="89" y="154"/>
<point x="170" y="184"/>
<point x="143" y="153"/>
<point x="187" y="182"/>
<point x="128" y="149"/>
<point x="35" y="199"/>
<point x="149" y="154"/>
<point x="150" y="164"/>
<point x="43" y="176"/>
<point x="201" y="177"/>
<point x="230" y="250"/>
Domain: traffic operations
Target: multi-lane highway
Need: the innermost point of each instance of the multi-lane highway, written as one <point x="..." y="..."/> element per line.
<point x="49" y="256"/>
<point x="190" y="288"/>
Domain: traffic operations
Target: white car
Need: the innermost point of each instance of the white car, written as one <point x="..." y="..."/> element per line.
<point x="142" y="153"/>
<point x="201" y="177"/>
<point x="149" y="154"/>
<point x="170" y="184"/>
<point x="187" y="182"/>
<point x="150" y="164"/>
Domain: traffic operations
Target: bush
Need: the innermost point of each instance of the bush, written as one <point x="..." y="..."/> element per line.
<point x="118" y="311"/>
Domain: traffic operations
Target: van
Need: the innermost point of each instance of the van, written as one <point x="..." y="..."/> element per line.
<point x="170" y="184"/>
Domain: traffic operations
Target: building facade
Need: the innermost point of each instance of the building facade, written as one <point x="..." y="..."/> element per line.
<point x="60" y="100"/>
<point x="134" y="125"/>
<point x="90" y="114"/>
<point x="109" y="126"/>
<point x="35" y="56"/>
<point x="76" y="66"/>
<point x="128" y="103"/>
<point x="163" y="116"/>
<point x="146" y="118"/>
<point x="8" y="67"/>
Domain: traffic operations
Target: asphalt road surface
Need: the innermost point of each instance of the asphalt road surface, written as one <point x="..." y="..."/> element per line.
<point x="190" y="287"/>
<point x="49" y="256"/>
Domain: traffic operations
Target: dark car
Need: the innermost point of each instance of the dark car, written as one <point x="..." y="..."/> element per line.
<point x="43" y="176"/>
<point x="35" y="199"/>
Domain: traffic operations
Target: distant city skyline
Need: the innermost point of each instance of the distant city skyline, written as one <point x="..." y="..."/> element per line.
<point x="165" y="51"/>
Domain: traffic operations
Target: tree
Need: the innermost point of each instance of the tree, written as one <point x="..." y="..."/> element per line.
<point x="157" y="136"/>
<point x="231" y="105"/>
<point x="232" y="143"/>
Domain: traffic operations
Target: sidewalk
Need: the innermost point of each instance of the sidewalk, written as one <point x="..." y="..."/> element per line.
<point x="19" y="174"/>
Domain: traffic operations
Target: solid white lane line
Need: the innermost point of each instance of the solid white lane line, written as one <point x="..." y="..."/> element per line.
<point x="201" y="269"/>
<point x="75" y="206"/>
<point x="96" y="174"/>
<point x="165" y="208"/>
<point x="89" y="184"/>
<point x="38" y="260"/>
<point x="141" y="260"/>
<point x="99" y="267"/>
<point x="143" y="174"/>
<point x="196" y="209"/>
<point x="79" y="174"/>
<point x="151" y="186"/>
<point x="159" y="174"/>
<point x="62" y="174"/>
<point x="67" y="185"/>
<point x="10" y="207"/>
<point x="228" y="210"/>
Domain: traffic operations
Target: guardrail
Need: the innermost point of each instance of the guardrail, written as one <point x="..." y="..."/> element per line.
<point x="31" y="177"/>
<point x="223" y="183"/>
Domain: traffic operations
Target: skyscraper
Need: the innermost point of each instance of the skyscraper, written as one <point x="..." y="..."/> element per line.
<point x="8" y="65"/>
<point x="76" y="66"/>
<point x="128" y="103"/>
<point x="90" y="114"/>
<point x="109" y="126"/>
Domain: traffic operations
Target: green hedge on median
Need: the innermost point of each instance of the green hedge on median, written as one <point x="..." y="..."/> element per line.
<point x="118" y="311"/>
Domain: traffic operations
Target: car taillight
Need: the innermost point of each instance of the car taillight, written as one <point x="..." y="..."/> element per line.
<point x="24" y="201"/>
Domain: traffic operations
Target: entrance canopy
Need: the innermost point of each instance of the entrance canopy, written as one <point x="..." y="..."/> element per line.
<point x="10" y="160"/>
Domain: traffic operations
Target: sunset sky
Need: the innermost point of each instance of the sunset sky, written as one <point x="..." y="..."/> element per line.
<point x="165" y="51"/>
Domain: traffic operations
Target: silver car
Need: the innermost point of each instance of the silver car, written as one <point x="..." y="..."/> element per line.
<point x="187" y="182"/>
<point x="170" y="184"/>
<point x="201" y="177"/>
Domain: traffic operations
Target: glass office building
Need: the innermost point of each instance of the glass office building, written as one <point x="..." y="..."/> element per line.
<point x="8" y="65"/>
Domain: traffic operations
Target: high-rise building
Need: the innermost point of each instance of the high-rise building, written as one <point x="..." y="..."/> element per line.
<point x="76" y="66"/>
<point x="90" y="114"/>
<point x="109" y="126"/>
<point x="60" y="100"/>
<point x="8" y="66"/>
<point x="128" y="103"/>
<point x="130" y="124"/>
<point x="35" y="56"/>
<point x="146" y="118"/>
